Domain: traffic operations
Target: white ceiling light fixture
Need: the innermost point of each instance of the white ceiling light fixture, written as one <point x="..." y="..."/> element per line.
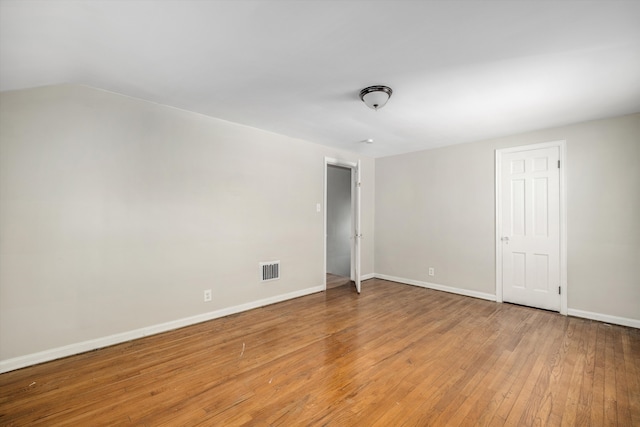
<point x="375" y="96"/>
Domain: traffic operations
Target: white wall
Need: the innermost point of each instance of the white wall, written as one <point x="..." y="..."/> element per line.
<point x="339" y="220"/>
<point x="435" y="208"/>
<point x="117" y="213"/>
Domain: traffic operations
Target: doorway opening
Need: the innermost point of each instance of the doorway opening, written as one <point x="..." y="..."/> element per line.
<point x="339" y="224"/>
<point x="342" y="224"/>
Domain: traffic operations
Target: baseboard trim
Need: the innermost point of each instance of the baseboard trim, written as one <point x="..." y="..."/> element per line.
<point x="70" y="350"/>
<point x="367" y="276"/>
<point x="623" y="321"/>
<point x="81" y="347"/>
<point x="434" y="286"/>
<point x="606" y="318"/>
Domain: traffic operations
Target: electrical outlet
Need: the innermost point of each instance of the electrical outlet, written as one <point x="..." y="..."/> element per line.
<point x="207" y="295"/>
<point x="432" y="271"/>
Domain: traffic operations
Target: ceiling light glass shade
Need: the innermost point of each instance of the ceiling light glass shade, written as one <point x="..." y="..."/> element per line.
<point x="375" y="96"/>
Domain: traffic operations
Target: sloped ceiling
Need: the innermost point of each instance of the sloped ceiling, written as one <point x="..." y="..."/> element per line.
<point x="460" y="70"/>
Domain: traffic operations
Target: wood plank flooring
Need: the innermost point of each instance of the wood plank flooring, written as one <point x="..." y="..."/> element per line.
<point x="333" y="281"/>
<point x="394" y="355"/>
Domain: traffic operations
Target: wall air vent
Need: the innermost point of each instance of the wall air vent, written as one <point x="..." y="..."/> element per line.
<point x="269" y="271"/>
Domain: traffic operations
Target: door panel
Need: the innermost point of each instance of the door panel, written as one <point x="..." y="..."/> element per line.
<point x="358" y="234"/>
<point x="530" y="189"/>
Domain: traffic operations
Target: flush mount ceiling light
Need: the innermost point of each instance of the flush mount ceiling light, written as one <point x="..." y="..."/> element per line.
<point x="375" y="96"/>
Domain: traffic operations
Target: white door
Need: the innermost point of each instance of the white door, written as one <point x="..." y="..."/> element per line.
<point x="358" y="232"/>
<point x="529" y="233"/>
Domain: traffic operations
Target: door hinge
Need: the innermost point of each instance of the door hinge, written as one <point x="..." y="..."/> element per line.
<point x="558" y="164"/>
<point x="559" y="290"/>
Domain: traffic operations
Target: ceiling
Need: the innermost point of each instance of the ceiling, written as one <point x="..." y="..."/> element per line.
<point x="461" y="71"/>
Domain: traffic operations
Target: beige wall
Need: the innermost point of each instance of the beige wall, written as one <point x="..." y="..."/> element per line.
<point x="117" y="213"/>
<point x="435" y="208"/>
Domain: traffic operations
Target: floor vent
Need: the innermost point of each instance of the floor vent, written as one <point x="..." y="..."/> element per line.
<point x="269" y="271"/>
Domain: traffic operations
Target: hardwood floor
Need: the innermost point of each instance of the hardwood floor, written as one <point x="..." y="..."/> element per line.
<point x="333" y="281"/>
<point x="394" y="355"/>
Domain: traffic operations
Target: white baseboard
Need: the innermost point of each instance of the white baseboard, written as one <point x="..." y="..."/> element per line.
<point x="434" y="286"/>
<point x="634" y="323"/>
<point x="81" y="347"/>
<point x="606" y="318"/>
<point x="69" y="350"/>
<point x="367" y="276"/>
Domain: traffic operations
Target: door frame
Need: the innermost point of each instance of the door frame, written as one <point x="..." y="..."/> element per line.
<point x="562" y="148"/>
<point x="355" y="214"/>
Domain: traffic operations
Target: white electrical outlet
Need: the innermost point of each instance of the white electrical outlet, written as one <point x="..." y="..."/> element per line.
<point x="207" y="295"/>
<point x="432" y="271"/>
